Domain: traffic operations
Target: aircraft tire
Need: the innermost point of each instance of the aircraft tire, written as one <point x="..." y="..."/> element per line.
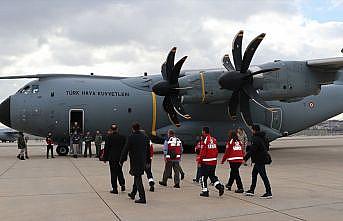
<point x="62" y="150"/>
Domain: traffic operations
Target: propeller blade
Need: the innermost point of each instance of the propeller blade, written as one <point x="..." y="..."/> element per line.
<point x="237" y="50"/>
<point x="182" y="88"/>
<point x="174" y="75"/>
<point x="173" y="118"/>
<point x="227" y="63"/>
<point x="251" y="92"/>
<point x="245" y="108"/>
<point x="168" y="107"/>
<point x="170" y="62"/>
<point x="263" y="71"/>
<point x="250" y="51"/>
<point x="233" y="103"/>
<point x="179" y="108"/>
<point x="164" y="71"/>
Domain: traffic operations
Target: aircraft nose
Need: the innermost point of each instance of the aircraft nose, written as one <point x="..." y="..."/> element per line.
<point x="5" y="115"/>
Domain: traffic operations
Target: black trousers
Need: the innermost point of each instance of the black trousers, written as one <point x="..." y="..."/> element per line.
<point x="208" y="171"/>
<point x="138" y="186"/>
<point x="148" y="173"/>
<point x="234" y="175"/>
<point x="197" y="176"/>
<point x="49" y="148"/>
<point x="260" y="169"/>
<point x="88" y="146"/>
<point x="116" y="174"/>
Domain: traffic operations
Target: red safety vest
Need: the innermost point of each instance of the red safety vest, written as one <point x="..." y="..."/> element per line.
<point x="234" y="152"/>
<point x="49" y="141"/>
<point x="209" y="151"/>
<point x="174" y="149"/>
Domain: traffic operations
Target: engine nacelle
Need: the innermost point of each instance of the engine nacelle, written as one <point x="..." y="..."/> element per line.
<point x="291" y="83"/>
<point x="204" y="87"/>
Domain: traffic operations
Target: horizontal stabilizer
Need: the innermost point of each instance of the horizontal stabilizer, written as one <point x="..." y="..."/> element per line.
<point x="330" y="64"/>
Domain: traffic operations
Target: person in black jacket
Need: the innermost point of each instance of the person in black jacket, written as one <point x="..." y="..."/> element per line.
<point x="258" y="152"/>
<point x="136" y="146"/>
<point x="114" y="145"/>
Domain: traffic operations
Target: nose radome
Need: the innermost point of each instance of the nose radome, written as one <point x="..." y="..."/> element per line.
<point x="5" y="115"/>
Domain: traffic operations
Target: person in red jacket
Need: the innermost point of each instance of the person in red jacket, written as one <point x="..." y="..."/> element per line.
<point x="197" y="149"/>
<point x="208" y="160"/>
<point x="49" y="145"/>
<point x="234" y="154"/>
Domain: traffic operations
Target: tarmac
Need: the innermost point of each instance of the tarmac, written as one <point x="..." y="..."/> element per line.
<point x="306" y="178"/>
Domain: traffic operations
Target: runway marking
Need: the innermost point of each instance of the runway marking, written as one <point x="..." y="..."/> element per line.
<point x="10" y="167"/>
<point x="97" y="193"/>
<point x="312" y="206"/>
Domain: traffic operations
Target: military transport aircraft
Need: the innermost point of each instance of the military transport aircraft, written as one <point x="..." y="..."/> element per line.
<point x="284" y="97"/>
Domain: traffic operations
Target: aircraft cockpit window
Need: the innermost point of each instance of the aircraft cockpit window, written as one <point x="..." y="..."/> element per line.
<point x="35" y="89"/>
<point x="25" y="90"/>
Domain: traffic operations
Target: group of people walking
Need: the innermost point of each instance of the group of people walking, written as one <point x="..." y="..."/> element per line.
<point x="140" y="150"/>
<point x="237" y="152"/>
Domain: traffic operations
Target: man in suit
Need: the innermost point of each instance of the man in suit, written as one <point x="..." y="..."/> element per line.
<point x="114" y="145"/>
<point x="136" y="146"/>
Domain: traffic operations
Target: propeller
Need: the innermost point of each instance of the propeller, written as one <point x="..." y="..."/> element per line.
<point x="239" y="78"/>
<point x="170" y="89"/>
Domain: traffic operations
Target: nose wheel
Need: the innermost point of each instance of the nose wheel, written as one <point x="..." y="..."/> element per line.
<point x="62" y="150"/>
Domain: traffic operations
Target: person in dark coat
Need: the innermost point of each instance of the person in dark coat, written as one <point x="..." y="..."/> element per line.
<point x="98" y="141"/>
<point x="88" y="144"/>
<point x="21" y="146"/>
<point x="76" y="140"/>
<point x="114" y="145"/>
<point x="136" y="146"/>
<point x="76" y="128"/>
<point x="258" y="151"/>
<point x="49" y="145"/>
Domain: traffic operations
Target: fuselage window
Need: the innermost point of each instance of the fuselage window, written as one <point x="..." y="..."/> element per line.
<point x="35" y="89"/>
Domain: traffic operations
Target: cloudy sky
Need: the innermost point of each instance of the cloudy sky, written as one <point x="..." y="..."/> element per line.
<point x="132" y="37"/>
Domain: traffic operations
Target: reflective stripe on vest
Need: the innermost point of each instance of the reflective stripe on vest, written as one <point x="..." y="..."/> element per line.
<point x="235" y="158"/>
<point x="209" y="159"/>
<point x="177" y="156"/>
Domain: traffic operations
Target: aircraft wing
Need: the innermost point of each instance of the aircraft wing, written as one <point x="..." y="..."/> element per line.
<point x="57" y="75"/>
<point x="326" y="64"/>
